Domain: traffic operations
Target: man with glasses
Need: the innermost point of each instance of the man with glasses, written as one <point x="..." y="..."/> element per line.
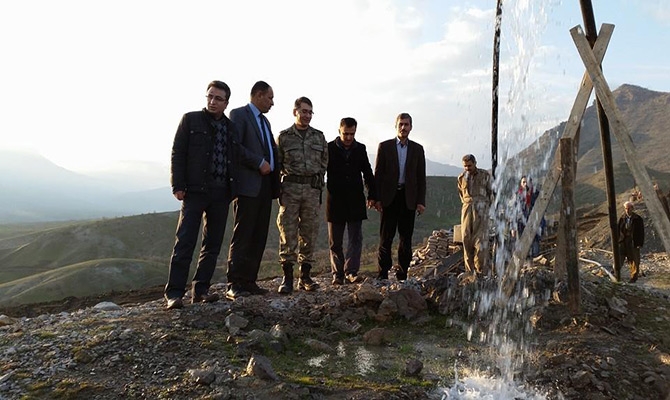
<point x="303" y="156"/>
<point x="201" y="175"/>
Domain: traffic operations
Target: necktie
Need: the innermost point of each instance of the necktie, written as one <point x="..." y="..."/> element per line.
<point x="266" y="141"/>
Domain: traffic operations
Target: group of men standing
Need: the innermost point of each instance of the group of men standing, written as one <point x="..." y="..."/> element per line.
<point x="217" y="160"/>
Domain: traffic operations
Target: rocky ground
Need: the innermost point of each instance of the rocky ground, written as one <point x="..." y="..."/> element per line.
<point x="375" y="340"/>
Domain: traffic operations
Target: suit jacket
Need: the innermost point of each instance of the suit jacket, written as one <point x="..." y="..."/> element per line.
<point x="387" y="173"/>
<point x="345" y="200"/>
<point x="251" y="152"/>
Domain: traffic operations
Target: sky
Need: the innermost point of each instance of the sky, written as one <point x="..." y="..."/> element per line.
<point x="94" y="84"/>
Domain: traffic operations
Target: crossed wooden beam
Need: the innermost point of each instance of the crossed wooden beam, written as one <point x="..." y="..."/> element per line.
<point x="593" y="78"/>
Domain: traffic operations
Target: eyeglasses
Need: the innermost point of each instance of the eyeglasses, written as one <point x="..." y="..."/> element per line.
<point x="219" y="99"/>
<point x="306" y="112"/>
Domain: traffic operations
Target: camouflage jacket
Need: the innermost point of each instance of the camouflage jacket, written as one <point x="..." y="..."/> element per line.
<point x="300" y="156"/>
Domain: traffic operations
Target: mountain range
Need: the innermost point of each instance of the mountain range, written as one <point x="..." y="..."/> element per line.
<point x="37" y="190"/>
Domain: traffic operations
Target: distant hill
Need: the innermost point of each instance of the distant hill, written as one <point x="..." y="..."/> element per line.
<point x="55" y="257"/>
<point x="37" y="190"/>
<point x="645" y="113"/>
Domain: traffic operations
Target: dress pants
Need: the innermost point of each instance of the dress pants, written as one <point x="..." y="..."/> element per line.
<point x="396" y="215"/>
<point x="340" y="264"/>
<point x="250" y="234"/>
<point x="214" y="206"/>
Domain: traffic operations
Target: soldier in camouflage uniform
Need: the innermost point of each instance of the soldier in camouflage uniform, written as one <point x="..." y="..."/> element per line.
<point x="303" y="157"/>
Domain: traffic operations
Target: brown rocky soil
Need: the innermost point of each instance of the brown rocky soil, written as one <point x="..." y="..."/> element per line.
<point x="376" y="340"/>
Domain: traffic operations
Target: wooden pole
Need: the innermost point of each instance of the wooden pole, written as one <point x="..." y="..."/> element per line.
<point x="640" y="174"/>
<point x="569" y="232"/>
<point x="606" y="146"/>
<point x="551" y="180"/>
<point x="496" y="79"/>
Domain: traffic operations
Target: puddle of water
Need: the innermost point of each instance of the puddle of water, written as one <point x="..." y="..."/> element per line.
<point x="481" y="387"/>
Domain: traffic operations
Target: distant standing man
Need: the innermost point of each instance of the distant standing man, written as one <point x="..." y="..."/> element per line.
<point x="631" y="239"/>
<point x="345" y="201"/>
<point x="474" y="189"/>
<point x="258" y="185"/>
<point x="202" y="179"/>
<point x="303" y="156"/>
<point x="400" y="176"/>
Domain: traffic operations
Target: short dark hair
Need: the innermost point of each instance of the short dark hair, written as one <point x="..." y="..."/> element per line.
<point x="301" y="100"/>
<point x="469" y="157"/>
<point x="260" y="86"/>
<point x="403" y="116"/>
<point x="220" y="85"/>
<point x="348" y="122"/>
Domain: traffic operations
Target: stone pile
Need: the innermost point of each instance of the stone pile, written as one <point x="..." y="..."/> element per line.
<point x="439" y="245"/>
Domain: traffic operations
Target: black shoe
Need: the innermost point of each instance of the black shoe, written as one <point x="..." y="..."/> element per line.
<point x="633" y="279"/>
<point x="338" y="280"/>
<point x="353" y="278"/>
<point x="401" y="276"/>
<point x="236" y="291"/>
<point x="307" y="284"/>
<point x="383" y="275"/>
<point x="205" y="298"/>
<point x="175" y="303"/>
<point x="253" y="288"/>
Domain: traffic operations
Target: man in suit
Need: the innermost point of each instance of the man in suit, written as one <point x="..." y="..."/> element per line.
<point x="258" y="177"/>
<point x="631" y="239"/>
<point x="348" y="167"/>
<point x="400" y="178"/>
<point x="201" y="175"/>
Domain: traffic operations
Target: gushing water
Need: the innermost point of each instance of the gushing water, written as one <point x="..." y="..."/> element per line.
<point x="497" y="318"/>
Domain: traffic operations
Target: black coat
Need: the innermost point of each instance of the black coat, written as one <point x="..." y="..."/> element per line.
<point x="637" y="234"/>
<point x="345" y="197"/>
<point x="192" y="152"/>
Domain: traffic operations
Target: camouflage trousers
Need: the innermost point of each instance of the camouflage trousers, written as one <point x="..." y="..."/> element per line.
<point x="474" y="232"/>
<point x="298" y="222"/>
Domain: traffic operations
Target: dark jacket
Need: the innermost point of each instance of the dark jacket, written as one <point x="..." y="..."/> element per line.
<point x="252" y="151"/>
<point x="637" y="230"/>
<point x="192" y="153"/>
<point x="345" y="197"/>
<point x="387" y="173"/>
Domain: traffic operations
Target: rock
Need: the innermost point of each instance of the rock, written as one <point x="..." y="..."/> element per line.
<point x="413" y="367"/>
<point x="278" y="332"/>
<point x="387" y="309"/>
<point x="203" y="376"/>
<point x="375" y="336"/>
<point x="260" y="366"/>
<point x="581" y="378"/>
<point x="5" y="320"/>
<point x="234" y="323"/>
<point x="617" y="307"/>
<point x="107" y="306"/>
<point x="319" y="346"/>
<point x="367" y="293"/>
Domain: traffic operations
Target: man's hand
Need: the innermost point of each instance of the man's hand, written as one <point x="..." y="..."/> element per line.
<point x="420" y="208"/>
<point x="265" y="168"/>
<point x="179" y="195"/>
<point x="372" y="204"/>
<point x="378" y="205"/>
